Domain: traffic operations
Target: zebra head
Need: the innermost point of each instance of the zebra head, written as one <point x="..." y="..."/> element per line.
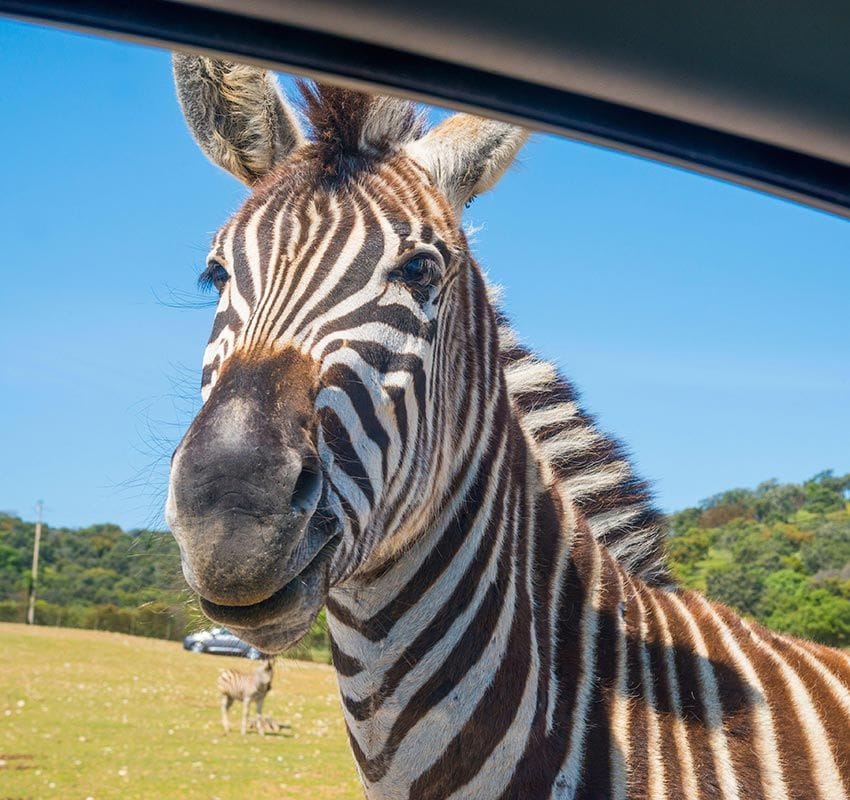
<point x="352" y="342"/>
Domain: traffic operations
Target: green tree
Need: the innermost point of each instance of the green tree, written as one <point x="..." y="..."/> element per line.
<point x="737" y="585"/>
<point x="829" y="548"/>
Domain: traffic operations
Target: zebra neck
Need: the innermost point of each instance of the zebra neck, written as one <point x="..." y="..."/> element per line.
<point x="452" y="624"/>
<point x="483" y="514"/>
<point x="509" y="655"/>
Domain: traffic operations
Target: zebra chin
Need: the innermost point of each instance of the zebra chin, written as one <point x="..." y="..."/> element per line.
<point x="278" y="622"/>
<point x="282" y="619"/>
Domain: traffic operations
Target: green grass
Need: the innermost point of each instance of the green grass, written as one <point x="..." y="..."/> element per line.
<point x="87" y="714"/>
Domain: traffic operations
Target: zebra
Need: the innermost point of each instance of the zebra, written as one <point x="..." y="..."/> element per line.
<point x="249" y="688"/>
<point x="358" y="448"/>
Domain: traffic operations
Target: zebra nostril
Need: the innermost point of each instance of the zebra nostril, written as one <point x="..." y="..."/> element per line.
<point x="308" y="487"/>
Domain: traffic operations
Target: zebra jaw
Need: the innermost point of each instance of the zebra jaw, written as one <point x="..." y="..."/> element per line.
<point x="279" y="621"/>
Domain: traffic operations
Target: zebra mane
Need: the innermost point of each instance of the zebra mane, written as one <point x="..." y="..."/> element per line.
<point x="593" y="468"/>
<point x="352" y="129"/>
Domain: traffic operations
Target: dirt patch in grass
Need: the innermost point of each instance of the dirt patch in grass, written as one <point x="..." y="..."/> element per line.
<point x="16" y="761"/>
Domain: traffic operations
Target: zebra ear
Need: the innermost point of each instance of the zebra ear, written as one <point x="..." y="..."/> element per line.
<point x="236" y="114"/>
<point x="466" y="155"/>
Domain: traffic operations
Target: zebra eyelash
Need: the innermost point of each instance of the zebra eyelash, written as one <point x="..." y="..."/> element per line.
<point x="205" y="282"/>
<point x="214" y="277"/>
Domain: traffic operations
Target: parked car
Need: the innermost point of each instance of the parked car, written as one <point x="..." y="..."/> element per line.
<point x="220" y="641"/>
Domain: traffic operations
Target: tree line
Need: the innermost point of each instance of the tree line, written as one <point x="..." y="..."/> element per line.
<point x="779" y="553"/>
<point x="96" y="577"/>
<point x="104" y="578"/>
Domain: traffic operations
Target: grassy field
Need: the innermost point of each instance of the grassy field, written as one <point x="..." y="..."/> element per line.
<point x="85" y="714"/>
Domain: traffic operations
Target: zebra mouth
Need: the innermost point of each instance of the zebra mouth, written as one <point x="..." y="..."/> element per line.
<point x="306" y="585"/>
<point x="292" y="598"/>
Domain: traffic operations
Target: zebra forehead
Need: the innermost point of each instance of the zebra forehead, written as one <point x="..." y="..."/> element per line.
<point x="395" y="193"/>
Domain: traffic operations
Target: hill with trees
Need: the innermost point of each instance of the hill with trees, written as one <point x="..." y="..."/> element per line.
<point x="96" y="577"/>
<point x="779" y="553"/>
<point x="104" y="578"/>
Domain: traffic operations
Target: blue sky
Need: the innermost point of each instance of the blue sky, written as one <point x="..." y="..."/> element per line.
<point x="706" y="325"/>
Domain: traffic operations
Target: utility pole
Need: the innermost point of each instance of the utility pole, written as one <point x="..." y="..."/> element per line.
<point x="39" y="507"/>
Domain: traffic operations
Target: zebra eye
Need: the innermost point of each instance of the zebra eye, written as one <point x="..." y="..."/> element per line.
<point x="419" y="269"/>
<point x="214" y="276"/>
<point x="419" y="272"/>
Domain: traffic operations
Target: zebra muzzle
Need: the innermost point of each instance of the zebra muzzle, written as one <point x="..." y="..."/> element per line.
<point x="247" y="499"/>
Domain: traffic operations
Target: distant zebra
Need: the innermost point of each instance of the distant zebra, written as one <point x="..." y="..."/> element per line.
<point x="370" y="440"/>
<point x="247" y="687"/>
